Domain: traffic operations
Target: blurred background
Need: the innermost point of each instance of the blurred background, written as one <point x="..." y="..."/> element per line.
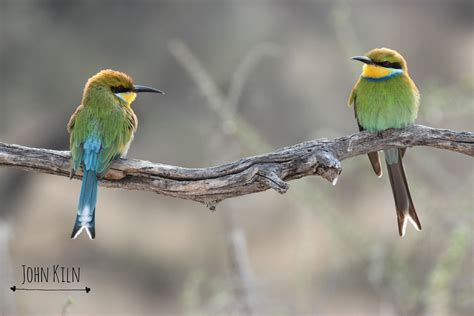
<point x="241" y="78"/>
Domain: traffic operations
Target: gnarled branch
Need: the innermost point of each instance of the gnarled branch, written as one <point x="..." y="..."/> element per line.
<point x="248" y="175"/>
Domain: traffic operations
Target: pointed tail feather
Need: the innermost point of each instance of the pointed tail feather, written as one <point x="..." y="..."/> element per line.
<point x="401" y="192"/>
<point x="85" y="219"/>
<point x="375" y="162"/>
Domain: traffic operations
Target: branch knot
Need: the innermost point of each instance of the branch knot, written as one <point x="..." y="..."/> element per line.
<point x="271" y="179"/>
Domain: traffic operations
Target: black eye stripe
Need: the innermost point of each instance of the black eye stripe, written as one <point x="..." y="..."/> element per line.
<point x="388" y="64"/>
<point x="120" y="89"/>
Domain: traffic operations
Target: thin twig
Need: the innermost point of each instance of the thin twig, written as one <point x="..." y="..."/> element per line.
<point x="244" y="69"/>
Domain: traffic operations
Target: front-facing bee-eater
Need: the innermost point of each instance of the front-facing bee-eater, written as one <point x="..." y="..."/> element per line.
<point x="386" y="97"/>
<point x="101" y="130"/>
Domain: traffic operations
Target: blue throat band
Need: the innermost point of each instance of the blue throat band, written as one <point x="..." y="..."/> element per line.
<point x="394" y="73"/>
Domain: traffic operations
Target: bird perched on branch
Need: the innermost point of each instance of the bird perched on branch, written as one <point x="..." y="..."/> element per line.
<point x="101" y="130"/>
<point x="386" y="97"/>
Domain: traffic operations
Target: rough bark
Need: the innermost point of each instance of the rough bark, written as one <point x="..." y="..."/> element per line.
<point x="248" y="175"/>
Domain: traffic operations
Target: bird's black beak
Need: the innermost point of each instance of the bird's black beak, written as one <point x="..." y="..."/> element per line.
<point x="364" y="59"/>
<point x="137" y="88"/>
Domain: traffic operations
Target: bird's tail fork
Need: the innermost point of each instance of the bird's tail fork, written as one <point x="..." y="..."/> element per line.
<point x="85" y="219"/>
<point x="403" y="202"/>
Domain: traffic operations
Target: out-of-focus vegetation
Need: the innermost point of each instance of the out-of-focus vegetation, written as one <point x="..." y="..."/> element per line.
<point x="274" y="74"/>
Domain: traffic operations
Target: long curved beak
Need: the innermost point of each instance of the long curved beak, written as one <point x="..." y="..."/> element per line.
<point x="364" y="59"/>
<point x="138" y="88"/>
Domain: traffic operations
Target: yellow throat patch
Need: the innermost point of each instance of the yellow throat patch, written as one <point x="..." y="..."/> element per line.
<point x="128" y="97"/>
<point x="372" y="71"/>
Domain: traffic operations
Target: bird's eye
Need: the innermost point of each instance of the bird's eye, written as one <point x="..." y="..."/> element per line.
<point x="119" y="89"/>
<point x="386" y="64"/>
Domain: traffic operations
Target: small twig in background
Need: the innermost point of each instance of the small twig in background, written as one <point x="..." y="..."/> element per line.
<point x="245" y="68"/>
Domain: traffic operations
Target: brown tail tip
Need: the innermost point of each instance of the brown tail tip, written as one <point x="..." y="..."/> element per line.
<point x="403" y="221"/>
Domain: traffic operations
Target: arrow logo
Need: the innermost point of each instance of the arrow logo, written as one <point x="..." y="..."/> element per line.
<point x="14" y="289"/>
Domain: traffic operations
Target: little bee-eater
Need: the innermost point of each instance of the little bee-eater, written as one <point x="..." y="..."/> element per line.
<point x="386" y="97"/>
<point x="101" y="130"/>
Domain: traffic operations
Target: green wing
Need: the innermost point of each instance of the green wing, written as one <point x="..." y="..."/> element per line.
<point x="75" y="142"/>
<point x="373" y="156"/>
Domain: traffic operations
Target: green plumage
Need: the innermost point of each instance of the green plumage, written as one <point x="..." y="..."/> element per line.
<point x="391" y="103"/>
<point x="104" y="117"/>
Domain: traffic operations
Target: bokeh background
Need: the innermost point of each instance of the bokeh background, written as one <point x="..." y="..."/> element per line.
<point x="282" y="68"/>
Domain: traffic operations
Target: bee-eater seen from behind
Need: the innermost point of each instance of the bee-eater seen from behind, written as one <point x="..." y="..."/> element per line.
<point x="386" y="97"/>
<point x="101" y="130"/>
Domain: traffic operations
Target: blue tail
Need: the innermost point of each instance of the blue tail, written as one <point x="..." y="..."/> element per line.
<point x="85" y="219"/>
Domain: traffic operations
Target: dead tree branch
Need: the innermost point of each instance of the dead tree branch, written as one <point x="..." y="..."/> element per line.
<point x="248" y="175"/>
